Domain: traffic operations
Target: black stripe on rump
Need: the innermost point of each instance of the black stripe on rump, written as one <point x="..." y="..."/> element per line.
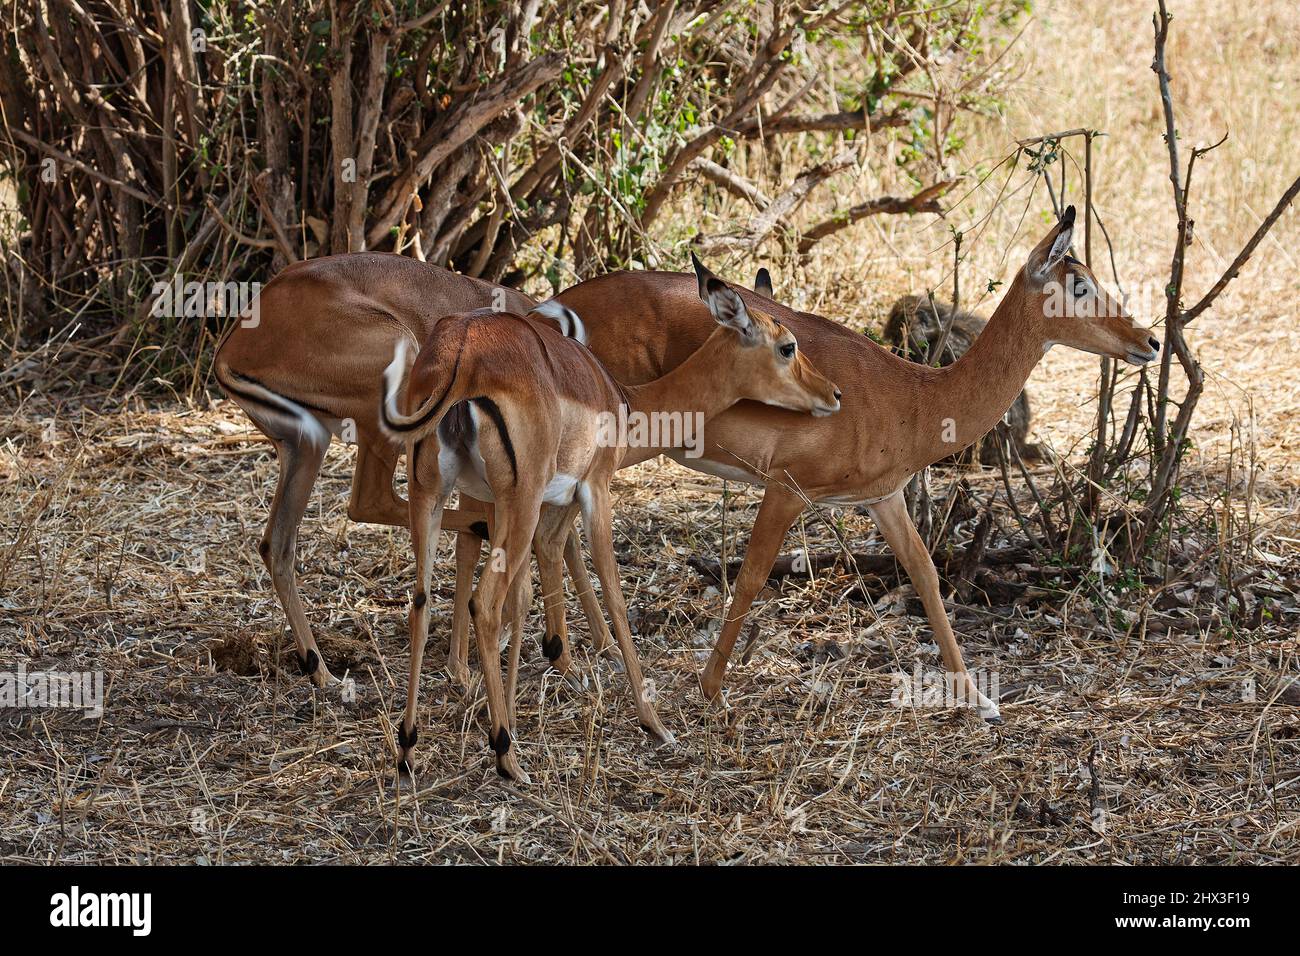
<point x="494" y="413"/>
<point x="259" y="400"/>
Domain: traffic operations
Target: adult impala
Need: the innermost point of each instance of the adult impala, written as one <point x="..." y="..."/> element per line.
<point x="325" y="331"/>
<point x="515" y="413"/>
<point x="897" y="418"/>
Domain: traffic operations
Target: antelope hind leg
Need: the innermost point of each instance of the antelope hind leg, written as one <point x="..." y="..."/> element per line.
<point x="900" y="534"/>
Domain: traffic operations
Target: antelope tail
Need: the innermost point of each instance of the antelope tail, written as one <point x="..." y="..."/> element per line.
<point x="286" y="417"/>
<point x="399" y="427"/>
<point x="570" y="325"/>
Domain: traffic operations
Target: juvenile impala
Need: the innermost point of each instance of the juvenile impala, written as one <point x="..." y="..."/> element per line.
<point x="897" y="414"/>
<point x="515" y="413"/>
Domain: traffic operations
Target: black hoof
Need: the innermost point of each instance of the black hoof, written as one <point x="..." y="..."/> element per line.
<point x="479" y="528"/>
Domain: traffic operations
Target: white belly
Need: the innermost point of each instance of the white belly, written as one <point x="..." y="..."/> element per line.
<point x="732" y="473"/>
<point x="560" y="490"/>
<point x="714" y="468"/>
<point x="848" y="501"/>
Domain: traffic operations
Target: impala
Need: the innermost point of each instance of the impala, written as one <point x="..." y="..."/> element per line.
<point x="898" y="416"/>
<point x="310" y="367"/>
<point x="513" y="412"/>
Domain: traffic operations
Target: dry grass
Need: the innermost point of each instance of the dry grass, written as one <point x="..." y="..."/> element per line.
<point x="137" y="557"/>
<point x="127" y="544"/>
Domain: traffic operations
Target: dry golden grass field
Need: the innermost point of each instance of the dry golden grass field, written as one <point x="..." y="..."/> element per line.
<point x="1148" y="731"/>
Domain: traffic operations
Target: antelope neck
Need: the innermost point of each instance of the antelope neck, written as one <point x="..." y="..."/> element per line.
<point x="702" y="385"/>
<point x="965" y="400"/>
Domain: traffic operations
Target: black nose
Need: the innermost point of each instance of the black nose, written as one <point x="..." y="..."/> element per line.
<point x="1154" y="343"/>
<point x="837" y="395"/>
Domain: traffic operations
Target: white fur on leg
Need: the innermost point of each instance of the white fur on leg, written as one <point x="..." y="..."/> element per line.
<point x="988" y="710"/>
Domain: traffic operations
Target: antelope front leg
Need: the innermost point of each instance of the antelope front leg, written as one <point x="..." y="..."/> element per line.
<point x="556" y="641"/>
<point x="775" y="516"/>
<point x="426" y="517"/>
<point x="373" y="499"/>
<point x="553" y="530"/>
<point x="600" y="536"/>
<point x="895" y="524"/>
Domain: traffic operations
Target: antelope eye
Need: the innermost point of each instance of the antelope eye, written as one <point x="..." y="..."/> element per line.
<point x="787" y="350"/>
<point x="1079" y="286"/>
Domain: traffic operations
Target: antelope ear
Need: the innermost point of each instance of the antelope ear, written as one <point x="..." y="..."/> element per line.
<point x="727" y="307"/>
<point x="1047" y="254"/>
<point x="763" y="284"/>
<point x="702" y="275"/>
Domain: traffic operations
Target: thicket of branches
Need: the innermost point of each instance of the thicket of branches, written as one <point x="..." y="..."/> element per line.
<point x="524" y="142"/>
<point x="506" y="139"/>
<point x="1143" y="428"/>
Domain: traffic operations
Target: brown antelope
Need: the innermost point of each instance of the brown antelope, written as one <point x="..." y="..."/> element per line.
<point x="307" y="365"/>
<point x="515" y="413"/>
<point x="898" y="416"/>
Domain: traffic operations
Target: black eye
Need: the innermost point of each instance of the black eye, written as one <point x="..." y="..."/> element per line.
<point x="1080" y="286"/>
<point x="787" y="350"/>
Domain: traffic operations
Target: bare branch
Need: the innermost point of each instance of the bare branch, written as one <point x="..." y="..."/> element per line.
<point x="235" y="234"/>
<point x="825" y="122"/>
<point x="466" y="120"/>
<point x="782" y="207"/>
<point x="424" y="18"/>
<point x="927" y="200"/>
<point x="78" y="165"/>
<point x="268" y="213"/>
<point x="1242" y="257"/>
<point x="734" y="183"/>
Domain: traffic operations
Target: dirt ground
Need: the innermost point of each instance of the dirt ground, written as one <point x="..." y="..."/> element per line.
<point x="1145" y="732"/>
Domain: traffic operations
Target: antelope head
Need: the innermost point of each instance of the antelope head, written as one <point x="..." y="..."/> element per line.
<point x="768" y="365"/>
<point x="1075" y="309"/>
